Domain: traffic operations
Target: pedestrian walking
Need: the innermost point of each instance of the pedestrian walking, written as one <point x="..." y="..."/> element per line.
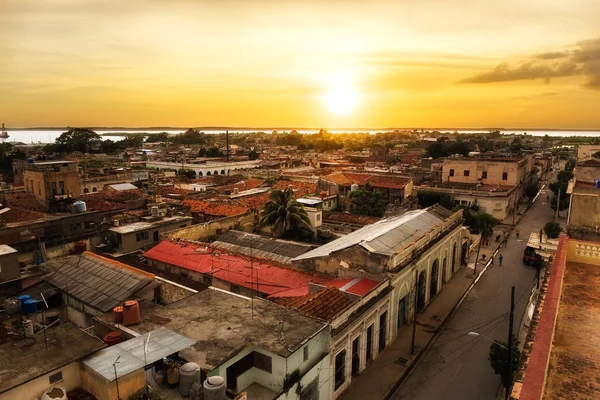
<point x="500" y="259"/>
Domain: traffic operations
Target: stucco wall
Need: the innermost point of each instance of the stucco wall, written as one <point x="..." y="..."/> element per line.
<point x="585" y="208"/>
<point x="104" y="390"/>
<point x="36" y="387"/>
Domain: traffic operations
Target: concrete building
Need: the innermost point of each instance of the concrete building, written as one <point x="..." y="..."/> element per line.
<point x="262" y="349"/>
<point x="139" y="236"/>
<point x="394" y="187"/>
<point x="26" y="371"/>
<point x="584" y="208"/>
<point x="52" y="180"/>
<point x="10" y="272"/>
<point x="422" y="248"/>
<point x="503" y="171"/>
<point x="561" y="352"/>
<point x="209" y="168"/>
<point x="585" y="151"/>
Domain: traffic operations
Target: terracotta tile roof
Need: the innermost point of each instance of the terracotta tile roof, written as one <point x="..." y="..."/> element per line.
<point x="339" y="178"/>
<point x="242" y="185"/>
<point x="215" y="208"/>
<point x="300" y="188"/>
<point x="123" y="196"/>
<point x="382" y="181"/>
<point x="164" y="190"/>
<point x="324" y="304"/>
<point x="24" y="200"/>
<point x="98" y="202"/>
<point x="234" y="269"/>
<point x="331" y="216"/>
<point x="14" y="214"/>
<point x="255" y="202"/>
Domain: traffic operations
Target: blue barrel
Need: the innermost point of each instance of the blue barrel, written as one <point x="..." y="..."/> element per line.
<point x="30" y="306"/>
<point x="598" y="184"/>
<point x="23" y="299"/>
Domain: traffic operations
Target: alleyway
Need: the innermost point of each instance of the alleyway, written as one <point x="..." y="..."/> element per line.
<point x="457" y="366"/>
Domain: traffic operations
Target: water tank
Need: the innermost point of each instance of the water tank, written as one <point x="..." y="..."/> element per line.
<point x="28" y="327"/>
<point x="113" y="338"/>
<point x="173" y="375"/>
<point x="158" y="198"/>
<point x="80" y="247"/>
<point x="116" y="222"/>
<point x="188" y="374"/>
<point x="236" y="190"/>
<point x="118" y="314"/>
<point x="30" y="161"/>
<point x="598" y="184"/>
<point x="24" y="298"/>
<point x="12" y="306"/>
<point x="131" y="312"/>
<point x="214" y="388"/>
<point x="154" y="211"/>
<point x="80" y="206"/>
<point x="353" y="187"/>
<point x="30" y="306"/>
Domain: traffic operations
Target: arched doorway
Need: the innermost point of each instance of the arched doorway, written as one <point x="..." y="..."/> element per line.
<point x="421" y="288"/>
<point x="216" y="172"/>
<point x="208" y="173"/>
<point x="435" y="273"/>
<point x="463" y="254"/>
<point x="199" y="173"/>
<point x="86" y="190"/>
<point x="453" y="257"/>
<point x="444" y="269"/>
<point x="222" y="172"/>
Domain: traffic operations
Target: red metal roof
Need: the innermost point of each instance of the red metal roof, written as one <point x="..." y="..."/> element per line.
<point x="268" y="278"/>
<point x="357" y="286"/>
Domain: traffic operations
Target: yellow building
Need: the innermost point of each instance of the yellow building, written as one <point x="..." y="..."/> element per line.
<point x="503" y="171"/>
<point x="52" y="180"/>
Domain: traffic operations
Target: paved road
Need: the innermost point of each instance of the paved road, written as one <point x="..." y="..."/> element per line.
<point x="457" y="366"/>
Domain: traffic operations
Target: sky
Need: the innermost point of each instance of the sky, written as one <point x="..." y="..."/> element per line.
<point x="278" y="63"/>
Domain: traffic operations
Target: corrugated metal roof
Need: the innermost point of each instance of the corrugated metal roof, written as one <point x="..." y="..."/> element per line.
<point x="162" y="342"/>
<point x="100" y="284"/>
<point x="258" y="246"/>
<point x="387" y="236"/>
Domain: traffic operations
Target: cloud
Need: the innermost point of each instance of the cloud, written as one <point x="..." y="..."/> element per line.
<point x="582" y="60"/>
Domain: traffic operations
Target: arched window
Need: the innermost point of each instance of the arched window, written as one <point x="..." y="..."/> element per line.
<point x="216" y="172"/>
<point x="94" y="189"/>
<point x="199" y="173"/>
<point x="222" y="172"/>
<point x="86" y="190"/>
<point x="208" y="173"/>
<point x="433" y="283"/>
<point x="505" y="176"/>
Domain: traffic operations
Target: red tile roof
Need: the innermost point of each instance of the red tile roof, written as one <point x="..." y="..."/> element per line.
<point x="268" y="278"/>
<point x="215" y="208"/>
<point x="242" y="185"/>
<point x="324" y="304"/>
<point x="24" y="200"/>
<point x="14" y="214"/>
<point x="98" y="202"/>
<point x="256" y="201"/>
<point x="300" y="188"/>
<point x="381" y="181"/>
<point x="123" y="196"/>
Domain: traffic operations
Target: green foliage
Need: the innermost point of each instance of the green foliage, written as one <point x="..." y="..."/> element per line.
<point x="596" y="154"/>
<point x="565" y="175"/>
<point x="187" y="172"/>
<point x="356" y="160"/>
<point x="445" y="148"/>
<point x="367" y="202"/>
<point x="252" y="155"/>
<point x="531" y="190"/>
<point x="501" y="362"/>
<point x="393" y="160"/>
<point x="552" y="229"/>
<point x="9" y="153"/>
<point x="189" y="137"/>
<point x="76" y="139"/>
<point x="427" y="198"/>
<point x="158" y="137"/>
<point x="211" y="152"/>
<point x="561" y="186"/>
<point x="284" y="214"/>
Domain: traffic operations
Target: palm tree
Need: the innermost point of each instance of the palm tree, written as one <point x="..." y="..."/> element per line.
<point x="283" y="213"/>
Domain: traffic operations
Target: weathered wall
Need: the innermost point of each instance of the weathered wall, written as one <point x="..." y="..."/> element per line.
<point x="202" y="232"/>
<point x="96" y="384"/>
<point x="170" y="292"/>
<point x="35" y="388"/>
<point x="585" y="208"/>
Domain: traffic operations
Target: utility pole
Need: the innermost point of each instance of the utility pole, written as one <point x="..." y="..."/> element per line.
<point x="227" y="146"/>
<point x="414" y="331"/>
<point x="509" y="366"/>
<point x="557" y="205"/>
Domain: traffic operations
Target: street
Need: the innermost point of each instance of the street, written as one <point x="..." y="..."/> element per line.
<point x="457" y="366"/>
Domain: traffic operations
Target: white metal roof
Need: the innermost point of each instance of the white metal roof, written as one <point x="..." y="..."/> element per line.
<point x="387" y="236"/>
<point x="162" y="342"/>
<point x="6" y="249"/>
<point x="310" y="202"/>
<point x="122" y="186"/>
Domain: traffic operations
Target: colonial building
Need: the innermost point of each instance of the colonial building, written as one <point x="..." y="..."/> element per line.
<point x="52" y="180"/>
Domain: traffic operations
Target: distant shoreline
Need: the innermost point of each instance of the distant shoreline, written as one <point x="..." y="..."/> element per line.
<point x="268" y="129"/>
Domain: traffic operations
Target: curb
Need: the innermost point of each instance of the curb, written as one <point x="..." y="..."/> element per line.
<point x="392" y="391"/>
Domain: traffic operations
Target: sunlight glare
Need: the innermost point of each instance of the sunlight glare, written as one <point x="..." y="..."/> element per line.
<point x="341" y="96"/>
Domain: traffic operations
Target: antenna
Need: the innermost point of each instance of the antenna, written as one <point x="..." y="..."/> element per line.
<point x="227" y="145"/>
<point x="146" y="341"/>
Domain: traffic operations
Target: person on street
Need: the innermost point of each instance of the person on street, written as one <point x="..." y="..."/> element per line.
<point x="500" y="259"/>
<point x="517" y="233"/>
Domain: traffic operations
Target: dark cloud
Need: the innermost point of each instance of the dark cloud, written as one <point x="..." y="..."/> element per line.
<point x="582" y="60"/>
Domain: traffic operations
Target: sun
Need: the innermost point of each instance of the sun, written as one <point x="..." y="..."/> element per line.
<point x="340" y="96"/>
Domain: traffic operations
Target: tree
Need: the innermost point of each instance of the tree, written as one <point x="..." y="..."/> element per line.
<point x="187" y="172"/>
<point x="252" y="155"/>
<point x="437" y="150"/>
<point x="214" y="152"/>
<point x="191" y="136"/>
<point x="158" y="137"/>
<point x="367" y="202"/>
<point x="552" y="229"/>
<point x="284" y="214"/>
<point x="499" y="360"/>
<point x="531" y="190"/>
<point x="393" y="160"/>
<point x="76" y="139"/>
<point x="427" y="198"/>
<point x="356" y="160"/>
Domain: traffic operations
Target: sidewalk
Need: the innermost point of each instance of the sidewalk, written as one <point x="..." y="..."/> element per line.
<point x="382" y="378"/>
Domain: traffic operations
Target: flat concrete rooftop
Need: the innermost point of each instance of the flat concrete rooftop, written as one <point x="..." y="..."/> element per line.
<point x="223" y="324"/>
<point x="27" y="358"/>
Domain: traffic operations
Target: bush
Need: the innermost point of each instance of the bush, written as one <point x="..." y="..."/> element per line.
<point x="552" y="229"/>
<point x="427" y="198"/>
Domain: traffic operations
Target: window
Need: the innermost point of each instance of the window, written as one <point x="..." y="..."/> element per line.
<point x="318" y="217"/>
<point x="505" y="176"/>
<point x="53" y="186"/>
<point x="340" y="369"/>
<point x="61" y="187"/>
<point x="311" y="391"/>
<point x="451" y="172"/>
<point x="466" y="172"/>
<point x="141" y="236"/>
<point x="57" y="377"/>
<point x="382" y="330"/>
<point x="305" y="353"/>
<point x="182" y="226"/>
<point x="356" y="356"/>
<point x="484" y="175"/>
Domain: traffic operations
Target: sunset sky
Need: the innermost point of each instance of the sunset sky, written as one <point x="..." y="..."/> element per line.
<point x="276" y="63"/>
